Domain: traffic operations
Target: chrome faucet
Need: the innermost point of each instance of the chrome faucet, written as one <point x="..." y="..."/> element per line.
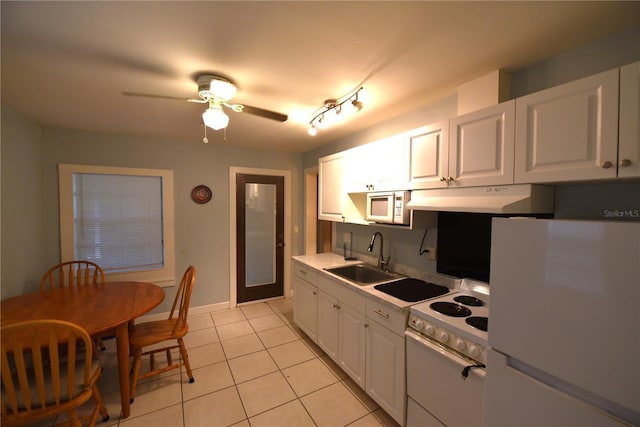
<point x="382" y="263"/>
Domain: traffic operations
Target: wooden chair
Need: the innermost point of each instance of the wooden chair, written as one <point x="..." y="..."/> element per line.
<point x="155" y="332"/>
<point x="39" y="382"/>
<point x="74" y="273"/>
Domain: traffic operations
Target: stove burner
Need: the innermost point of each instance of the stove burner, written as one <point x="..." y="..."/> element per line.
<point x="450" y="309"/>
<point x="477" y="322"/>
<point x="469" y="300"/>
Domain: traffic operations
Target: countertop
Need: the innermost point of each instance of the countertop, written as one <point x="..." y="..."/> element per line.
<point x="329" y="260"/>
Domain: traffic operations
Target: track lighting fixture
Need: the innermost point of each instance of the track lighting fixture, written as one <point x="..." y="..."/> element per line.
<point x="335" y="110"/>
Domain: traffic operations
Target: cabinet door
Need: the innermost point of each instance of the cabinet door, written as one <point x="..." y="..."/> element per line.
<point x="351" y="354"/>
<point x="377" y="166"/>
<point x="305" y="307"/>
<point x="481" y="146"/>
<point x="568" y="132"/>
<point x="328" y="324"/>
<point x="629" y="139"/>
<point x="386" y="370"/>
<point x="390" y="163"/>
<point x="331" y="202"/>
<point x="428" y="148"/>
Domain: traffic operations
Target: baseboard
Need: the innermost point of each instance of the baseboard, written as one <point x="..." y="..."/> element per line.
<point x="202" y="309"/>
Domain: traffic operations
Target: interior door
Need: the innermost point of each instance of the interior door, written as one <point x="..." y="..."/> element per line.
<point x="259" y="236"/>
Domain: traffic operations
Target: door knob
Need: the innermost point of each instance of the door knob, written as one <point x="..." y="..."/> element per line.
<point x="606" y="165"/>
<point x="625" y="162"/>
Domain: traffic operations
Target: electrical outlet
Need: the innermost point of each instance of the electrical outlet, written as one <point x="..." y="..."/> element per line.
<point x="346" y="238"/>
<point x="433" y="253"/>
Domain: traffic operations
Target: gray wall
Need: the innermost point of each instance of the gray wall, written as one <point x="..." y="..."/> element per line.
<point x="23" y="212"/>
<point x="30" y="220"/>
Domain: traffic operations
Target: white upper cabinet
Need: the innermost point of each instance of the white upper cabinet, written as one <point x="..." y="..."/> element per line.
<point x="428" y="148"/>
<point x="629" y="138"/>
<point x="569" y="132"/>
<point x="481" y="146"/>
<point x="331" y="195"/>
<point x="377" y="166"/>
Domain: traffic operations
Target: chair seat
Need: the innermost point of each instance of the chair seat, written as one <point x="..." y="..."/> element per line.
<point x="149" y="333"/>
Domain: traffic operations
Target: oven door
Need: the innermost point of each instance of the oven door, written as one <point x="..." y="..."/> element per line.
<point x="435" y="382"/>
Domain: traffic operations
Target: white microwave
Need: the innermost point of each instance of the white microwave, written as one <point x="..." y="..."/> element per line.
<point x="388" y="207"/>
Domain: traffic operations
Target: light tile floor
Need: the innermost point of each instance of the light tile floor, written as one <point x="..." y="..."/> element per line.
<point x="252" y="367"/>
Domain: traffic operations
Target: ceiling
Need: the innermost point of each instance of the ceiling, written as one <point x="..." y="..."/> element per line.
<point x="66" y="64"/>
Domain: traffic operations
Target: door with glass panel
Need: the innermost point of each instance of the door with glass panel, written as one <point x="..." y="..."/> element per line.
<point x="259" y="236"/>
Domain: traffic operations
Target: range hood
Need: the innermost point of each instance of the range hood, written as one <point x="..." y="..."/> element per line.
<point x="502" y="199"/>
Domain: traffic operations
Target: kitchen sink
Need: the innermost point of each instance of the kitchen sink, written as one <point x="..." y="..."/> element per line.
<point x="362" y="274"/>
<point x="411" y="290"/>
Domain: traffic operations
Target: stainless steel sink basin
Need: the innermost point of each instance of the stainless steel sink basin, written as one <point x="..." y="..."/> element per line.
<point x="363" y="274"/>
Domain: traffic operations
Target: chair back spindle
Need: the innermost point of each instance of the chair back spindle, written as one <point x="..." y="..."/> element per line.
<point x="72" y="274"/>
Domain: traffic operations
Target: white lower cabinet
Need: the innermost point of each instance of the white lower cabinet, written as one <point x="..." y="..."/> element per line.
<point x="386" y="370"/>
<point x="328" y="324"/>
<point x="305" y="301"/>
<point x="385" y="358"/>
<point x="341" y="330"/>
<point x="351" y="345"/>
<point x="362" y="334"/>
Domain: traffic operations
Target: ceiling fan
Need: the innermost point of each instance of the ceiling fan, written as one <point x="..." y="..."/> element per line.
<point x="217" y="91"/>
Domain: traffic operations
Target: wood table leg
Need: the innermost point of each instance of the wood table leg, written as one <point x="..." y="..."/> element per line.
<point x="122" y="345"/>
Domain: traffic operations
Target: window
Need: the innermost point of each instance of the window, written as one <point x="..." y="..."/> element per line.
<point x="120" y="218"/>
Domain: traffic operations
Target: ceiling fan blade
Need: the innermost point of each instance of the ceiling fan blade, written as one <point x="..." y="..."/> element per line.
<point x="149" y="95"/>
<point x="267" y="114"/>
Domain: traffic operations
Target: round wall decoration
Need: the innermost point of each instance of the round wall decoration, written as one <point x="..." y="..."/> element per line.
<point x="201" y="194"/>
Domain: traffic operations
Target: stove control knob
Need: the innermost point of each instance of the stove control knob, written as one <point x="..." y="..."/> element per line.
<point x="474" y="351"/>
<point x="444" y="337"/>
<point x="430" y="329"/>
<point x="460" y="345"/>
<point x="419" y="324"/>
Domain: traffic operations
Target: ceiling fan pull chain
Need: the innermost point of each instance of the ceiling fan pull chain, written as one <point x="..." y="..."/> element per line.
<point x="205" y="139"/>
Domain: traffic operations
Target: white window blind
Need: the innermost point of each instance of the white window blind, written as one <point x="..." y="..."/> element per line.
<point x="118" y="221"/>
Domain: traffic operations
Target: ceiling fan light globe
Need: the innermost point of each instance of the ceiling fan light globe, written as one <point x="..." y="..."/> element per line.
<point x="215" y="118"/>
<point x="222" y="89"/>
<point x="313" y="131"/>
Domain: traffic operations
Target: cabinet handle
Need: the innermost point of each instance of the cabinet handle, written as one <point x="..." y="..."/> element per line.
<point x="315" y="293"/>
<point x="450" y="179"/>
<point x="606" y="165"/>
<point x="366" y="325"/>
<point x="381" y="313"/>
<point x="336" y="306"/>
<point x="442" y="178"/>
<point x="625" y="162"/>
<point x="302" y="272"/>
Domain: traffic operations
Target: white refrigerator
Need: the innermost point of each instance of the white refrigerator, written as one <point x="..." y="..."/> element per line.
<point x="564" y="329"/>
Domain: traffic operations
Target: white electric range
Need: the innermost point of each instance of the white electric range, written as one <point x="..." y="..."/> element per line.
<point x="446" y="356"/>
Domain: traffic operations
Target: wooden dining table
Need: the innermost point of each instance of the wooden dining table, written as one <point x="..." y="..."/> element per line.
<point x="97" y="308"/>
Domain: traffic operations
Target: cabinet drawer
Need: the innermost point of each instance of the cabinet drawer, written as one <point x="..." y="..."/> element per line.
<point x="305" y="273"/>
<point x="387" y="316"/>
